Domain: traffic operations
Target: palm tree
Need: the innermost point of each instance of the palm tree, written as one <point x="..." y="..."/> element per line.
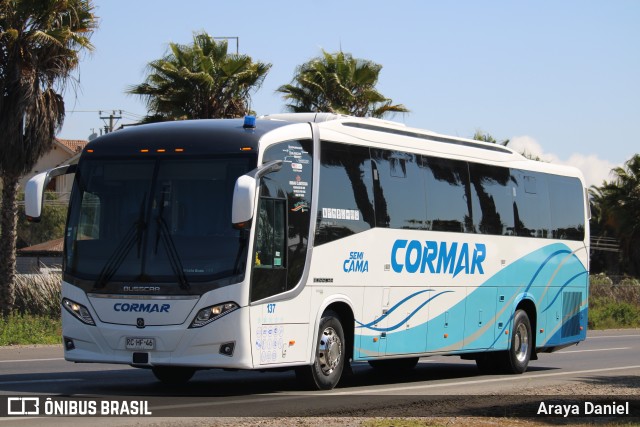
<point x="338" y="83"/>
<point x="200" y="81"/>
<point x="487" y="137"/>
<point x="40" y="46"/>
<point x="617" y="204"/>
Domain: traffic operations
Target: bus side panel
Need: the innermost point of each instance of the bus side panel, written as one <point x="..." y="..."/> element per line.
<point x="279" y="331"/>
<point x="479" y="318"/>
<point x="447" y="319"/>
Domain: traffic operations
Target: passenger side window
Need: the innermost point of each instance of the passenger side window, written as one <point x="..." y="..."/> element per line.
<point x="493" y="199"/>
<point x="449" y="201"/>
<point x="531" y="208"/>
<point x="346" y="195"/>
<point x="566" y="197"/>
<point x="400" y="196"/>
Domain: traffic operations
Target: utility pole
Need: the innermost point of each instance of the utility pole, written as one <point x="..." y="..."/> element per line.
<point x="108" y="128"/>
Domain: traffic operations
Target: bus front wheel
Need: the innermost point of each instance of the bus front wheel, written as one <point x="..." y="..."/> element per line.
<point x="328" y="364"/>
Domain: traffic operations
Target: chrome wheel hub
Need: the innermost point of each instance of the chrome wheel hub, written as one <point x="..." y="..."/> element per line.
<point x="521" y="343"/>
<point x="329" y="351"/>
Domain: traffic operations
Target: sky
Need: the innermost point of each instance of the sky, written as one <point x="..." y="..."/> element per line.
<point x="559" y="79"/>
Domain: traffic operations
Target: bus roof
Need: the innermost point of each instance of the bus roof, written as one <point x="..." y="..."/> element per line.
<point x="193" y="136"/>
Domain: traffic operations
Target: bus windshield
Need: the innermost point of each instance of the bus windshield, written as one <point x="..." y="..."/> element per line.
<point x="162" y="220"/>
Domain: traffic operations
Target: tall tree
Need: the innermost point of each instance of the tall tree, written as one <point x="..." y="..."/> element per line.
<point x="487" y="137"/>
<point x="617" y="204"/>
<point x="338" y="83"/>
<point x="200" y="81"/>
<point x="40" y="46"/>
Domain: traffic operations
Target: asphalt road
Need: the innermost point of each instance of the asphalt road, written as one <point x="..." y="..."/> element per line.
<point x="606" y="357"/>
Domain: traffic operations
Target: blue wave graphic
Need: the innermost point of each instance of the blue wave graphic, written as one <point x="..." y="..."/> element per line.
<point x="561" y="288"/>
<point x="403" y="321"/>
<point x="542" y="275"/>
<point x="549" y="258"/>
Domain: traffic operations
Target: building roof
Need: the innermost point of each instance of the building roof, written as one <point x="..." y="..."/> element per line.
<point x="73" y="145"/>
<point x="50" y="247"/>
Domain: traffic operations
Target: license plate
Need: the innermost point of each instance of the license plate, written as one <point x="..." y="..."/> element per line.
<point x="134" y="343"/>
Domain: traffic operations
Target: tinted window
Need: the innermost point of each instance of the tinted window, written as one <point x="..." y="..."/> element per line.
<point x="493" y="200"/>
<point x="293" y="184"/>
<point x="346" y="195"/>
<point x="399" y="190"/>
<point x="531" y="210"/>
<point x="157" y="219"/>
<point x="567" y="207"/>
<point x="448" y="201"/>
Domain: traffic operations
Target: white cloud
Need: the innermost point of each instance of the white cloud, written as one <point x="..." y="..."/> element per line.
<point x="594" y="169"/>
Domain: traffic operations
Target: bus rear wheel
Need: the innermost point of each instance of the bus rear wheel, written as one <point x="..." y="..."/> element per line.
<point x="519" y="353"/>
<point x="516" y="359"/>
<point x="173" y="374"/>
<point x="328" y="364"/>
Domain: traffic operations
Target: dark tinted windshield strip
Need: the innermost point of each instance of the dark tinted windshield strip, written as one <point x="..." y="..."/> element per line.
<point x="427" y="137"/>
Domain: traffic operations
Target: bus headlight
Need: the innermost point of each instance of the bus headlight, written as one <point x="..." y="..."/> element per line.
<point x="211" y="313"/>
<point x="79" y="311"/>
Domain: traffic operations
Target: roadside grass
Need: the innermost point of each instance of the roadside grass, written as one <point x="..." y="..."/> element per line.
<point x="36" y="316"/>
<point x="23" y="329"/>
<point x="613" y="306"/>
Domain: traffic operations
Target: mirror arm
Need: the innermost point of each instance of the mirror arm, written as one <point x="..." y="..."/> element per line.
<point x="244" y="193"/>
<point x="35" y="189"/>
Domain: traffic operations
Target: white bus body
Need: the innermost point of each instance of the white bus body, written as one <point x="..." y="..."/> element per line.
<point x="361" y="240"/>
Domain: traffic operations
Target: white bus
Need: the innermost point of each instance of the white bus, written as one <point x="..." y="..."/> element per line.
<point x="313" y="241"/>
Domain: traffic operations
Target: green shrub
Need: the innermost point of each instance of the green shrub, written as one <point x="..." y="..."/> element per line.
<point x="611" y="314"/>
<point x="613" y="306"/>
<point x="600" y="279"/>
<point x="629" y="281"/>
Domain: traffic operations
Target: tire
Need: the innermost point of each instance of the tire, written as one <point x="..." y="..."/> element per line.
<point x="394" y="365"/>
<point x="519" y="353"/>
<point x="173" y="375"/>
<point x="328" y="364"/>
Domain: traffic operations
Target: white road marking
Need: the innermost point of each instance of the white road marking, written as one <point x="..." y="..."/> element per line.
<point x="612" y="336"/>
<point x="596" y="349"/>
<point x="315" y="394"/>
<point x="489" y="380"/>
<point x="30" y="360"/>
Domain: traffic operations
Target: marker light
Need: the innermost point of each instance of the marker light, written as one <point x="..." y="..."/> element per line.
<point x="211" y="313"/>
<point x="89" y="151"/>
<point x="249" y="122"/>
<point x="79" y="311"/>
<point x="161" y="150"/>
<point x="246" y="149"/>
<point x="144" y="150"/>
<point x="179" y="150"/>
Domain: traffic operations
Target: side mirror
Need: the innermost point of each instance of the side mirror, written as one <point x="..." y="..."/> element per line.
<point x="34" y="190"/>
<point x="244" y="193"/>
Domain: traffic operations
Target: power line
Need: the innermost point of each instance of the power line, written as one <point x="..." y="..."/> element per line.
<point x="113" y="118"/>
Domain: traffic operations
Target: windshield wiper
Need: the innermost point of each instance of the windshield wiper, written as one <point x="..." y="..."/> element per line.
<point x="172" y="252"/>
<point x="131" y="237"/>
